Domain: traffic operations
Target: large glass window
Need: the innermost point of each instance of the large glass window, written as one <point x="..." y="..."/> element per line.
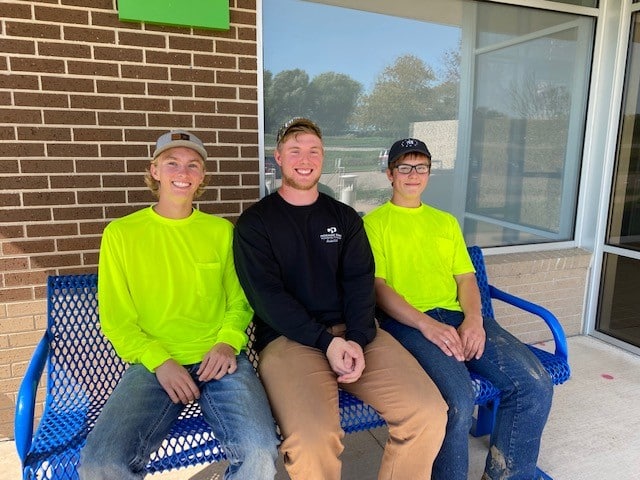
<point x="497" y="92"/>
<point x="619" y="304"/>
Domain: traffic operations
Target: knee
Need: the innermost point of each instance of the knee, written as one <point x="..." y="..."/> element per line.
<point x="460" y="412"/>
<point x="313" y="443"/>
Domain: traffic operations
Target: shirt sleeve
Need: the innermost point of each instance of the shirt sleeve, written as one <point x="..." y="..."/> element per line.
<point x="118" y="315"/>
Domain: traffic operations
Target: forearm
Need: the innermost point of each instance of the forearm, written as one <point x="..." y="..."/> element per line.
<point x="397" y="307"/>
<point x="469" y="297"/>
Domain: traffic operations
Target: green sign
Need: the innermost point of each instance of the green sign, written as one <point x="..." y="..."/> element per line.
<point x="190" y="13"/>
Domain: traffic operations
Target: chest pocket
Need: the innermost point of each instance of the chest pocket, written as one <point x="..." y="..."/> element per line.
<point x="208" y="279"/>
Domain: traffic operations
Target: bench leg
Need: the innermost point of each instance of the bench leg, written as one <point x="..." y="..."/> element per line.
<point x="541" y="474"/>
<point x="486" y="418"/>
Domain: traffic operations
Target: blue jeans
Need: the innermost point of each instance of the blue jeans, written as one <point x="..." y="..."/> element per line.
<point x="524" y="406"/>
<point x="139" y="414"/>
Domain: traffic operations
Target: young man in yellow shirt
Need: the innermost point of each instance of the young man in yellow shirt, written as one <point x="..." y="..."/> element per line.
<point x="171" y="305"/>
<point x="428" y="299"/>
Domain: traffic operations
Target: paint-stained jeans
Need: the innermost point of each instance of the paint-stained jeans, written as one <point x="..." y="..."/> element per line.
<point x="524" y="406"/>
<point x="139" y="414"/>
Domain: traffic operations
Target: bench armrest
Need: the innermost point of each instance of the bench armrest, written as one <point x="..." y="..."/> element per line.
<point x="26" y="401"/>
<point x="549" y="318"/>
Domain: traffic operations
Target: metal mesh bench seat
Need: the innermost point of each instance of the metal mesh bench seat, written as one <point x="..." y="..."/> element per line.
<point x="83" y="369"/>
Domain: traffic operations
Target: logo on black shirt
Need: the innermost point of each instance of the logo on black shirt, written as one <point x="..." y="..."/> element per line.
<point x="332" y="235"/>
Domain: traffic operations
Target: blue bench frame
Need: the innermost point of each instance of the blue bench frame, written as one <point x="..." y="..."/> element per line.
<point x="83" y="369"/>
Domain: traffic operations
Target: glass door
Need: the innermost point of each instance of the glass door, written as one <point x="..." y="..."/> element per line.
<point x="618" y="313"/>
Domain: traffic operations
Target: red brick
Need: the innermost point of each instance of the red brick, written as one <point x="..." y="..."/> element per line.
<point x="14" y="10"/>
<point x="98" y="134"/>
<point x="28" y="246"/>
<point x="76" y="213"/>
<point x="20" y="115"/>
<point x="247" y="63"/>
<point x="204" y="106"/>
<point x="144" y="72"/>
<point x="92" y="68"/>
<point x="147" y="104"/>
<point x="48" y="198"/>
<point x="12" y="45"/>
<point x="9" y="199"/>
<point x="120" y="118"/>
<point x="11" y="264"/>
<point x="52" y="230"/>
<point x="237" y="78"/>
<point x="60" y="49"/>
<point x="168" y="58"/>
<point x="243" y="17"/>
<point x="61" y="15"/>
<point x="109" y="19"/>
<point x="72" y="150"/>
<point x="165" y="89"/>
<point x="237" y="108"/>
<point x="215" y="61"/>
<point x="101" y="197"/>
<point x="120" y="87"/>
<point x="92" y="228"/>
<point x="23" y="182"/>
<point x="118" y="54"/>
<point x="123" y="150"/>
<point x="69" y="117"/>
<point x="124" y="181"/>
<point x="44" y="133"/>
<point x="31" y="99"/>
<point x="141" y="39"/>
<point x="193" y="75"/>
<point x="19" y="82"/>
<point x="247" y="33"/>
<point x="10" y="295"/>
<point x="21" y="150"/>
<point x="64" y="84"/>
<point x="215" y="121"/>
<point x="90" y="35"/>
<point x="191" y="44"/>
<point x="57" y="261"/>
<point x="7" y="133"/>
<point x="170" y="120"/>
<point x="235" y="48"/>
<point x="12" y="231"/>
<point x="95" y="102"/>
<point x="47" y="166"/>
<point x="24" y="215"/>
<point x="33" y="30"/>
<point x="75" y="181"/>
<point x="78" y="244"/>
<point x="99" y="166"/>
<point x="92" y="4"/>
<point x="24" y="279"/>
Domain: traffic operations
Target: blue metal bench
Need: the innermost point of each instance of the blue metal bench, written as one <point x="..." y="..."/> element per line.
<point x="83" y="369"/>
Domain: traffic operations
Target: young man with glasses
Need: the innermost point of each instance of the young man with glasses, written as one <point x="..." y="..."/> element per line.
<point x="428" y="299"/>
<point x="305" y="264"/>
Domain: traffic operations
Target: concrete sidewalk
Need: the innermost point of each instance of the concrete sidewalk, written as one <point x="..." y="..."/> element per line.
<point x="593" y="432"/>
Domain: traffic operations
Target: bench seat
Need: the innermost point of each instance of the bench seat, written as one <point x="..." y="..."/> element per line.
<point x="83" y="369"/>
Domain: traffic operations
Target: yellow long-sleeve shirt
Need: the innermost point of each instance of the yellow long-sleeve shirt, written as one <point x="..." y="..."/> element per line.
<point x="168" y="288"/>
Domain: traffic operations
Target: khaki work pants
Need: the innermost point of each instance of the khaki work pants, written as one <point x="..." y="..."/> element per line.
<point x="303" y="394"/>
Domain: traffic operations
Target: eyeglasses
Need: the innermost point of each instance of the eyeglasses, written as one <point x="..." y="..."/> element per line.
<point x="421" y="168"/>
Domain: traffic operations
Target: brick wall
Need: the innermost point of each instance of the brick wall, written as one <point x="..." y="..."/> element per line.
<point x="555" y="279"/>
<point x="83" y="97"/>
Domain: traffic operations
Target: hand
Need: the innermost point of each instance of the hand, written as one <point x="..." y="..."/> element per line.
<point x="444" y="336"/>
<point x="473" y="338"/>
<point x="218" y="361"/>
<point x="177" y="382"/>
<point x="346" y="359"/>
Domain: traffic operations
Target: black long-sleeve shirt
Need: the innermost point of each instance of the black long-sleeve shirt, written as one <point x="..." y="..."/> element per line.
<point x="306" y="268"/>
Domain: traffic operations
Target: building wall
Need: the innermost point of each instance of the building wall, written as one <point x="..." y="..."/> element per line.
<point x="83" y="97"/>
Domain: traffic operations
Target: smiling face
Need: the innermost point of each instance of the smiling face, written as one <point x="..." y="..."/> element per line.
<point x="300" y="157"/>
<point x="179" y="171"/>
<point x="408" y="187"/>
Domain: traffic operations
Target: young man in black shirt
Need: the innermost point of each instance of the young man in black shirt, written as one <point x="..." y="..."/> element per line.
<point x="306" y="266"/>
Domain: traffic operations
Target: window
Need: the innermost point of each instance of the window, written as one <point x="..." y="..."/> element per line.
<point x="497" y="92"/>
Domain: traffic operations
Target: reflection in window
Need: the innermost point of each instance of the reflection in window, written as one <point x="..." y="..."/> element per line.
<point x="624" y="215"/>
<point x="508" y="167"/>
